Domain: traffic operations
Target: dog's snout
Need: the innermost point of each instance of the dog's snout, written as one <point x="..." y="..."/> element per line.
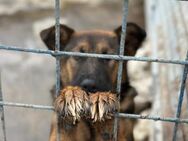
<point x="89" y="85"/>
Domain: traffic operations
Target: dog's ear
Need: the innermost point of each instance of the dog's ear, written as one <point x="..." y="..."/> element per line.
<point x="134" y="37"/>
<point x="48" y="36"/>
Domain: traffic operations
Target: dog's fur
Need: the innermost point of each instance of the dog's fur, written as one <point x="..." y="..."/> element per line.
<point x="93" y="75"/>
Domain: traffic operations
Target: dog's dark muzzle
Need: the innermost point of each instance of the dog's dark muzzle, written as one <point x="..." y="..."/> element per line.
<point x="89" y="85"/>
<point x="93" y="76"/>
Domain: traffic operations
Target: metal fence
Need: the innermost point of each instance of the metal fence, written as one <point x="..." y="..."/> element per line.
<point x="120" y="57"/>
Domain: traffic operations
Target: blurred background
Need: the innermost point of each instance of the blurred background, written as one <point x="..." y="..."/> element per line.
<point x="28" y="78"/>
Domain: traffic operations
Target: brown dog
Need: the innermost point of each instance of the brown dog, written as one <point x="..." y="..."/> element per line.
<point x="93" y="75"/>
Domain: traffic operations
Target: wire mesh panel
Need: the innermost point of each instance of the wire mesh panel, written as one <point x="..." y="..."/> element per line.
<point x="154" y="11"/>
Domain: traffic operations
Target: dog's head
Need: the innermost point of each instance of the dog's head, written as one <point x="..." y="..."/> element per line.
<point x="93" y="74"/>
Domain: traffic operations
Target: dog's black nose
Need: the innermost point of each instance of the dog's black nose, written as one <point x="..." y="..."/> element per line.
<point x="89" y="85"/>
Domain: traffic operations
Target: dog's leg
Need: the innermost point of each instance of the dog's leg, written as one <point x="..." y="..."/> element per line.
<point x="104" y="126"/>
<point x="72" y="104"/>
<point x="104" y="130"/>
<point x="67" y="132"/>
<point x="103" y="123"/>
<point x="63" y="135"/>
<point x="103" y="105"/>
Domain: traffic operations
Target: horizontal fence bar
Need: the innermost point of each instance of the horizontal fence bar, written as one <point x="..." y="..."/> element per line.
<point x="121" y="115"/>
<point x="32" y="106"/>
<point x="93" y="55"/>
<point x="154" y="118"/>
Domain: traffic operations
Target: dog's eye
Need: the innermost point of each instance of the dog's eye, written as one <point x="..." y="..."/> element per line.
<point x="127" y="42"/>
<point x="104" y="52"/>
<point x="82" y="50"/>
<point x="77" y="58"/>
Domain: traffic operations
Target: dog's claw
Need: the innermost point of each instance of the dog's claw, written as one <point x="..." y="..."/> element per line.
<point x="72" y="103"/>
<point x="103" y="105"/>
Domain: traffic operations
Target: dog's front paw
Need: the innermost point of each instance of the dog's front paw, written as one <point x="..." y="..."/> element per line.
<point x="103" y="105"/>
<point x="72" y="103"/>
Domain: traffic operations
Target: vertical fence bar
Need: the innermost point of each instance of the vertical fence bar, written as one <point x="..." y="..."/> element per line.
<point x="57" y="48"/>
<point x="2" y="113"/>
<point x="184" y="78"/>
<point x="57" y="45"/>
<point x="120" y="66"/>
<point x="180" y="99"/>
